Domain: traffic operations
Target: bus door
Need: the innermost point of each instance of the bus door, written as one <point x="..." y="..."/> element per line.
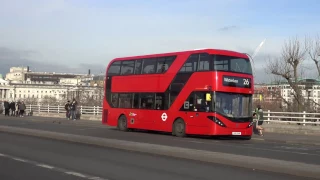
<point x="197" y="107"/>
<point x="145" y="103"/>
<point x="162" y="117"/>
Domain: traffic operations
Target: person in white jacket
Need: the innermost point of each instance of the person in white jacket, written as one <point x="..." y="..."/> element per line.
<point x="259" y="113"/>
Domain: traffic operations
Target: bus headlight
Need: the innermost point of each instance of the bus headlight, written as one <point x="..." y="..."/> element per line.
<point x="217" y="121"/>
<point x="251" y="124"/>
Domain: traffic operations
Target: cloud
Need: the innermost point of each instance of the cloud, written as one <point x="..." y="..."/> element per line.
<point x="228" y="28"/>
<point x="74" y="34"/>
<point x="12" y="58"/>
<point x="31" y="7"/>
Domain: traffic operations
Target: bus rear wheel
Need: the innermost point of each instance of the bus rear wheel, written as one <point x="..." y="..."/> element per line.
<point x="179" y="128"/>
<point x="122" y="123"/>
<point x="247" y="137"/>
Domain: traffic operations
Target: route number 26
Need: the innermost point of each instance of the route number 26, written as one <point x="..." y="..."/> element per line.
<point x="246" y="82"/>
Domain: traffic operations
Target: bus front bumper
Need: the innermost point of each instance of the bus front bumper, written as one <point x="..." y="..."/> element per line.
<point x="233" y="131"/>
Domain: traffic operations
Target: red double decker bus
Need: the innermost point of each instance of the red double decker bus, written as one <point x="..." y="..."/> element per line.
<point x="201" y="92"/>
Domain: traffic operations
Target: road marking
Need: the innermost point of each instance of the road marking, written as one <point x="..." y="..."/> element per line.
<point x="199" y="142"/>
<point x="60" y="170"/>
<point x="76" y="174"/>
<point x="304" y="153"/>
<point x="96" y="178"/>
<point x="259" y="139"/>
<point x="294" y="148"/>
<point x="18" y="159"/>
<point x="87" y="128"/>
<point x="45" y="166"/>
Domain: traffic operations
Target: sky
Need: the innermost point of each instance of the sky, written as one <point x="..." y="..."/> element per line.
<point x="75" y="35"/>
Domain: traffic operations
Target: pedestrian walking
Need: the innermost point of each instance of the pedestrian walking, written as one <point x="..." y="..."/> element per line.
<point x="259" y="113"/>
<point x="74" y="109"/>
<point x="13" y="108"/>
<point x="22" y="108"/>
<point x="6" y="108"/>
<point x="67" y="107"/>
<point x="17" y="109"/>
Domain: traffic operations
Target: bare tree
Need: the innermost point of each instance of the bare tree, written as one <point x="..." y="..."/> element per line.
<point x="313" y="45"/>
<point x="92" y="98"/>
<point x="287" y="67"/>
<point x="52" y="101"/>
<point x="31" y="101"/>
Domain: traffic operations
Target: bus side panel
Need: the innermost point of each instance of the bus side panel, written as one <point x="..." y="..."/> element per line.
<point x="105" y="114"/>
<point x="200" y="130"/>
<point x="142" y="119"/>
<point x="197" y="130"/>
<point x="136" y="119"/>
<point x="196" y="123"/>
<point x="112" y="117"/>
<point x="163" y="120"/>
<point x="155" y="82"/>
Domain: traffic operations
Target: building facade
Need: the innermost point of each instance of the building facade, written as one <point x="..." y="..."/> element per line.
<point x="21" y="84"/>
<point x="98" y="81"/>
<point x="282" y="92"/>
<point x="38" y="93"/>
<point x="23" y="75"/>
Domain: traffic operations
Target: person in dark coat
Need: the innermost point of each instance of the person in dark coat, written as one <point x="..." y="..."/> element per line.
<point x="67" y="107"/>
<point x="22" y="108"/>
<point x="6" y="108"/>
<point x="13" y="108"/>
<point x="74" y="105"/>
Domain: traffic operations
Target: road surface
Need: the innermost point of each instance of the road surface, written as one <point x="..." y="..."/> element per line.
<point x="291" y="152"/>
<point x="29" y="158"/>
<point x="12" y="169"/>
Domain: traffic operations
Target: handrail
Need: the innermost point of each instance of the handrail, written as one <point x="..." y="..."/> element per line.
<point x="300" y="118"/>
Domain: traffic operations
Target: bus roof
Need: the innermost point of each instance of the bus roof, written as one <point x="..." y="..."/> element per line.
<point x="207" y="50"/>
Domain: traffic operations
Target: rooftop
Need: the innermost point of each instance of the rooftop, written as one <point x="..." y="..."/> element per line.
<point x="300" y="80"/>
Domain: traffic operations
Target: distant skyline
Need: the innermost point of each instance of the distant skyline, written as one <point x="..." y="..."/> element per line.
<point x="70" y="35"/>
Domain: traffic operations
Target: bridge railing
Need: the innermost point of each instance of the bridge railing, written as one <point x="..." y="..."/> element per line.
<point x="292" y="117"/>
<point x="300" y="118"/>
<point x="92" y="110"/>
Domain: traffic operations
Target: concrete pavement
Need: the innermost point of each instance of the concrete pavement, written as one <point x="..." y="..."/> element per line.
<point x="255" y="148"/>
<point x="274" y="127"/>
<point x="290" y="138"/>
<point x="22" y="153"/>
<point x="269" y="136"/>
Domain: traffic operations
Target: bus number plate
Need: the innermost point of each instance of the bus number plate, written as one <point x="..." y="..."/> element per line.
<point x="236" y="133"/>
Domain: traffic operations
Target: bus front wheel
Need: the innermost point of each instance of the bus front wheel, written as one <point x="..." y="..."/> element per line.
<point x="179" y="128"/>
<point x="122" y="123"/>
